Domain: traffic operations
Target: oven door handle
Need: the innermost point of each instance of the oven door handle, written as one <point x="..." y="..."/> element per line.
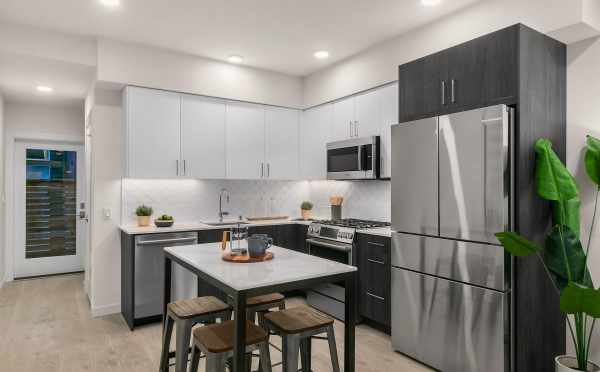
<point x="329" y="245"/>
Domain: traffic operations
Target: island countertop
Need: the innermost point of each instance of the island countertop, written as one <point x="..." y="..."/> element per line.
<point x="286" y="266"/>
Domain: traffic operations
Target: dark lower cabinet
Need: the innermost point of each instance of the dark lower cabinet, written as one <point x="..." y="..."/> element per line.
<point x="374" y="272"/>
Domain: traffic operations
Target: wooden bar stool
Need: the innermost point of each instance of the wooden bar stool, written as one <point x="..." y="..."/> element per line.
<point x="296" y="326"/>
<point x="262" y="304"/>
<point x="184" y="314"/>
<point x="216" y="342"/>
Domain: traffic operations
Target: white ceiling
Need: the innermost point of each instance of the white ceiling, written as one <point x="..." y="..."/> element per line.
<point x="278" y="35"/>
<point x="21" y="74"/>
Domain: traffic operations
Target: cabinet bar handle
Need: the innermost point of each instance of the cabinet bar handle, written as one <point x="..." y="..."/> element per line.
<point x="376" y="261"/>
<point x="376" y="244"/>
<point x="184" y="168"/>
<point x="443" y="92"/>
<point x="350" y="127"/>
<point x="262" y="170"/>
<point x="452" y="91"/>
<point x="356" y="128"/>
<point x="268" y="170"/>
<point x="177" y="167"/>
<point x="375" y="296"/>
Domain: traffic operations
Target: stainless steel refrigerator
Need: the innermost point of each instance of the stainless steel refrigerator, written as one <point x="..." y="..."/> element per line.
<point x="451" y="191"/>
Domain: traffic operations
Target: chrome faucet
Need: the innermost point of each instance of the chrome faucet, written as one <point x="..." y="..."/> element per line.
<point x="223" y="192"/>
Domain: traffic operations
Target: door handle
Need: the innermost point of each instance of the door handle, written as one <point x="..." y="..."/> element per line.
<point x="443" y="92"/>
<point x="452" y="83"/>
<point x="375" y="296"/>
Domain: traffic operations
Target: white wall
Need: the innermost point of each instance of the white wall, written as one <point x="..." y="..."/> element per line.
<point x="379" y="64"/>
<point x="2" y="196"/>
<point x="125" y="63"/>
<point x="30" y="121"/>
<point x="106" y="162"/>
<point x="583" y="118"/>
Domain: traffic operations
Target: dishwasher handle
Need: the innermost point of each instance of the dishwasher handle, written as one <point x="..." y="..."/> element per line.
<point x="167" y="241"/>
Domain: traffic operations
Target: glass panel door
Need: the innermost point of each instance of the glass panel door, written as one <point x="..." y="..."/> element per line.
<point x="47" y="190"/>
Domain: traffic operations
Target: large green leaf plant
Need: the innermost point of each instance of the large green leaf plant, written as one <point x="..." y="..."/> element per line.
<point x="562" y="254"/>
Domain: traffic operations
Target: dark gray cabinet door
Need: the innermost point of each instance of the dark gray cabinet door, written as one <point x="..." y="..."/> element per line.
<point x="374" y="267"/>
<point x="465" y="76"/>
<point x="421" y="90"/>
<point x="501" y="66"/>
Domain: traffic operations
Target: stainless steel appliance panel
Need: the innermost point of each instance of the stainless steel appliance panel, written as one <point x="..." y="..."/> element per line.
<point x="480" y="264"/>
<point x="150" y="272"/>
<point x="474" y="173"/>
<point x="356" y="158"/>
<point x="450" y="326"/>
<point x="415" y="177"/>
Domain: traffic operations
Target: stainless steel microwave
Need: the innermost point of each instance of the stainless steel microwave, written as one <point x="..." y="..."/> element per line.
<point x="353" y="159"/>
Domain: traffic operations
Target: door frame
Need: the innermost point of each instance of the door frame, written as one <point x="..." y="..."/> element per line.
<point x="9" y="192"/>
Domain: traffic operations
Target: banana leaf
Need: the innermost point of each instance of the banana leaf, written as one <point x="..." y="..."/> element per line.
<point x="565" y="258"/>
<point x="580" y="299"/>
<point x="592" y="159"/>
<point x="517" y="245"/>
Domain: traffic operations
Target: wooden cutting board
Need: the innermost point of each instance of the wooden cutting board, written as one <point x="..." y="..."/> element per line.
<point x="227" y="256"/>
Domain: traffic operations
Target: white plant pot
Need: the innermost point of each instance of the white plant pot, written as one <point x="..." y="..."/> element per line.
<point x="566" y="363"/>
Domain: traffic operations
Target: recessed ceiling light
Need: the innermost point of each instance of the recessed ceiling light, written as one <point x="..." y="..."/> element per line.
<point x="430" y="2"/>
<point x="110" y="3"/>
<point x="235" y="59"/>
<point x="44" y="89"/>
<point x="321" y="54"/>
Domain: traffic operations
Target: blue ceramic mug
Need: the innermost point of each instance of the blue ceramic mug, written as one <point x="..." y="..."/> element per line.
<point x="258" y="244"/>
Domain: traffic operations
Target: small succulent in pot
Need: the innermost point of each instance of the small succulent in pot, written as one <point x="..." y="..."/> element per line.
<point x="306" y="210"/>
<point x="143" y="214"/>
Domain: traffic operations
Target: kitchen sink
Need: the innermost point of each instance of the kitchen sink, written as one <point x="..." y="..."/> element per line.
<point x="225" y="223"/>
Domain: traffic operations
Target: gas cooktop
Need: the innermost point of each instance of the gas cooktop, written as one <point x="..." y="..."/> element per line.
<point x="354" y="223"/>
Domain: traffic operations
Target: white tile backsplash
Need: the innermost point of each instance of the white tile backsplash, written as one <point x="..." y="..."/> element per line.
<point x="197" y="200"/>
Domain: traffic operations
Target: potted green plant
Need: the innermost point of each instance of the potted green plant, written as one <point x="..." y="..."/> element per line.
<point x="306" y="210"/>
<point x="143" y="214"/>
<point x="164" y="221"/>
<point x="562" y="253"/>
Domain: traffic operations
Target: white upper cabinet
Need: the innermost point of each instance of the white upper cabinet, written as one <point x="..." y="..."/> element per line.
<point x="313" y="139"/>
<point x="281" y="144"/>
<point x="367" y="118"/>
<point x="245" y="141"/>
<point x="152" y="130"/>
<point x="388" y="101"/>
<point x="342" y="126"/>
<point x="203" y="137"/>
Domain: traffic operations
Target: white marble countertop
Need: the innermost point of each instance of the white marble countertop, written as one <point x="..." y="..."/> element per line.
<point x="287" y="266"/>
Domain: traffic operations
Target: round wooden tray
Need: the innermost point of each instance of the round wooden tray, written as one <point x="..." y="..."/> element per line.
<point x="227" y="256"/>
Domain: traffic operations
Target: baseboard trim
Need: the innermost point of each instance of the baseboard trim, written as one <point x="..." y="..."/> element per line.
<point x="105" y="310"/>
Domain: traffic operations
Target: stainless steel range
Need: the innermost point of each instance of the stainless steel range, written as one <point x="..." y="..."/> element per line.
<point x="334" y="240"/>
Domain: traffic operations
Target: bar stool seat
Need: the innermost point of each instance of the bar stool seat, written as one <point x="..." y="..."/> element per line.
<point x="184" y="314"/>
<point x="216" y="341"/>
<point x="298" y="319"/>
<point x="271" y="298"/>
<point x="297" y="326"/>
<point x="189" y="308"/>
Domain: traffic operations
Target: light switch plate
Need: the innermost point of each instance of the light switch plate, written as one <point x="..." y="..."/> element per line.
<point x="106" y="213"/>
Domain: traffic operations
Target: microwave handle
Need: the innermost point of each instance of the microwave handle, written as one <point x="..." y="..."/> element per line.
<point x="360" y="157"/>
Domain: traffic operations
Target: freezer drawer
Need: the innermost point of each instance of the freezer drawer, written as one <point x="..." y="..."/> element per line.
<point x="474" y="263"/>
<point x="415" y="177"/>
<point x="450" y="326"/>
<point x="474" y="182"/>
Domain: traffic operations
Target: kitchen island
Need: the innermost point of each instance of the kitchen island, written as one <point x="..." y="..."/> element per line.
<point x="289" y="270"/>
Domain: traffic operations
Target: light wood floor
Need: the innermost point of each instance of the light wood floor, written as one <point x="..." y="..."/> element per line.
<point x="45" y="325"/>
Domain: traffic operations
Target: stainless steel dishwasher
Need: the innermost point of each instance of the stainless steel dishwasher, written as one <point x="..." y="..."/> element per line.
<point x="150" y="272"/>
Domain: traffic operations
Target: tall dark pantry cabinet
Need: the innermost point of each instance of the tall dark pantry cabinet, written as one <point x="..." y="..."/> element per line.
<point x="524" y="72"/>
